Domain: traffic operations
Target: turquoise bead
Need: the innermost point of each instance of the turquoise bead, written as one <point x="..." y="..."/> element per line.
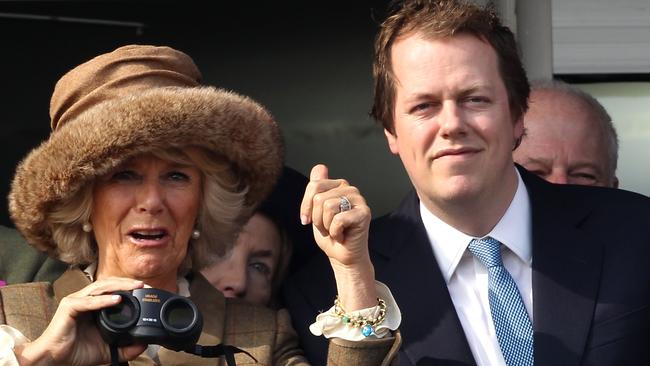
<point x="367" y="330"/>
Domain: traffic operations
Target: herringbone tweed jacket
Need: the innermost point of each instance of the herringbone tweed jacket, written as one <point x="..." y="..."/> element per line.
<point x="265" y="333"/>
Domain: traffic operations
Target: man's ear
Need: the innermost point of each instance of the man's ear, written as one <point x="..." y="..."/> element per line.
<point x="392" y="142"/>
<point x="518" y="131"/>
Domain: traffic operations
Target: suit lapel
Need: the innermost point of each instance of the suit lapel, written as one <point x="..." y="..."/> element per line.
<point x="566" y="274"/>
<point x="431" y="329"/>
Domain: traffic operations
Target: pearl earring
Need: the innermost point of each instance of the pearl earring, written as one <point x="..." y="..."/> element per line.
<point x="196" y="234"/>
<point x="87" y="227"/>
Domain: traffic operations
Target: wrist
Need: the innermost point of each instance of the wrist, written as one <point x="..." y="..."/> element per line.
<point x="356" y="285"/>
<point x="32" y="353"/>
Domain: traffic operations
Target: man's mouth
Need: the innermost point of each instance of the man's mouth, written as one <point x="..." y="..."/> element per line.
<point x="455" y="152"/>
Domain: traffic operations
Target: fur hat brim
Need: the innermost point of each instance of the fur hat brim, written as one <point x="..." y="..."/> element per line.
<point x="108" y="134"/>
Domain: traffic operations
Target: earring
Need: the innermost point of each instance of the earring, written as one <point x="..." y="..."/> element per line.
<point x="196" y="234"/>
<point x="87" y="227"/>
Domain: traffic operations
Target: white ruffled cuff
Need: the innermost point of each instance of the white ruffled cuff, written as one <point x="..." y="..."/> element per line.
<point x="9" y="338"/>
<point x="332" y="326"/>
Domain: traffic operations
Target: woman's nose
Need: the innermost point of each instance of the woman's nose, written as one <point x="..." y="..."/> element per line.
<point x="150" y="198"/>
<point x="233" y="281"/>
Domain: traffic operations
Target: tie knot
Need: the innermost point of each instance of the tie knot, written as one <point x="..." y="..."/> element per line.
<point x="487" y="250"/>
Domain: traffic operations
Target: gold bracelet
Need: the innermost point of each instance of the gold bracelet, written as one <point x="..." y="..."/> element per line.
<point x="367" y="324"/>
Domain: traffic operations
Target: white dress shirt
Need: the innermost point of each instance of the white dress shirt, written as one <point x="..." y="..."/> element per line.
<point x="467" y="278"/>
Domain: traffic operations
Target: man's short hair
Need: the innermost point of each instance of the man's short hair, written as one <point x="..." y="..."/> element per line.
<point x="603" y="118"/>
<point x="439" y="19"/>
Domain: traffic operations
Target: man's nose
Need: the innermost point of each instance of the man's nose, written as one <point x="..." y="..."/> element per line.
<point x="451" y="120"/>
<point x="558" y="177"/>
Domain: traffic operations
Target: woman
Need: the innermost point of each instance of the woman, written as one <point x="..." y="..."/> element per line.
<point x="254" y="268"/>
<point x="145" y="180"/>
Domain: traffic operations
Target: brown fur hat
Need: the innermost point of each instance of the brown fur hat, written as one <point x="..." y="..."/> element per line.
<point x="128" y="102"/>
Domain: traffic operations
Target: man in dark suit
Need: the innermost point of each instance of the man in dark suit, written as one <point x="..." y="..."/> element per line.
<point x="489" y="264"/>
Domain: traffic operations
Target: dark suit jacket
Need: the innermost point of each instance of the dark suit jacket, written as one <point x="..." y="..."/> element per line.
<point x="591" y="281"/>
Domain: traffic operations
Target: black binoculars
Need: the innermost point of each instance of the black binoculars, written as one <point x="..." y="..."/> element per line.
<point x="151" y="316"/>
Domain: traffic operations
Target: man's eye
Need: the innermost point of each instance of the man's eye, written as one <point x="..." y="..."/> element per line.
<point x="540" y="172"/>
<point x="420" y="108"/>
<point x="475" y="99"/>
<point x="584" y="178"/>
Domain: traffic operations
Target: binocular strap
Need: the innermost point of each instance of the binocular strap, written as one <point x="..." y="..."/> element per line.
<point x="115" y="357"/>
<point x="203" y="351"/>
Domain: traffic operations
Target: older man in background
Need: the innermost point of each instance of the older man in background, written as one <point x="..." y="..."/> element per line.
<point x="569" y="137"/>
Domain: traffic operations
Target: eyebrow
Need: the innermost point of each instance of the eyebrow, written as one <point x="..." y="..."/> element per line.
<point x="586" y="165"/>
<point x="417" y="96"/>
<point x="264" y="253"/>
<point x="537" y="161"/>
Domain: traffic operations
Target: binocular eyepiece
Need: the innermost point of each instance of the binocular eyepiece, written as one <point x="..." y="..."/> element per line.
<point x="151" y="316"/>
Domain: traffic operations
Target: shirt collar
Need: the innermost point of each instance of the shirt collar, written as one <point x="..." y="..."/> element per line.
<point x="513" y="230"/>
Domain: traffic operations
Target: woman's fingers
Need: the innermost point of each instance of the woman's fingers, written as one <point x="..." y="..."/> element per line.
<point x="319" y="182"/>
<point x="128" y="353"/>
<point x="333" y="202"/>
<point x="349" y="219"/>
<point x="108" y="285"/>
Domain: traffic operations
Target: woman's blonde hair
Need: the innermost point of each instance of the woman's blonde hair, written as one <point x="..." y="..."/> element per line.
<point x="218" y="220"/>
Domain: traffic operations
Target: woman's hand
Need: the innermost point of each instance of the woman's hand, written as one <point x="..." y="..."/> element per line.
<point x="72" y="336"/>
<point x="343" y="236"/>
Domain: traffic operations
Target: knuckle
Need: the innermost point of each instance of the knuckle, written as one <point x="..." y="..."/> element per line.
<point x="365" y="210"/>
<point x="331" y="205"/>
<point x="319" y="198"/>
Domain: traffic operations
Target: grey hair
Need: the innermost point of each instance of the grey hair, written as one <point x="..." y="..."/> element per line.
<point x="604" y="119"/>
<point x="219" y="218"/>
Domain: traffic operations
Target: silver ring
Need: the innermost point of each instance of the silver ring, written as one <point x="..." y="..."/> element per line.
<point x="344" y="204"/>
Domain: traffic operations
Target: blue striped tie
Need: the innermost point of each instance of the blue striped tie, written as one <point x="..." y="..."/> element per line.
<point x="511" y="321"/>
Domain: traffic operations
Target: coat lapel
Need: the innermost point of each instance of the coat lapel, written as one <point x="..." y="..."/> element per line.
<point x="566" y="274"/>
<point x="431" y="329"/>
<point x="212" y="306"/>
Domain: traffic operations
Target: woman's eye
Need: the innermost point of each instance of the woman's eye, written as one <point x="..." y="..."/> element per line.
<point x="260" y="267"/>
<point x="124" y="175"/>
<point x="178" y="176"/>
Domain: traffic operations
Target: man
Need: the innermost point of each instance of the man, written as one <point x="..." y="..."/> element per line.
<point x="569" y="137"/>
<point x="566" y="266"/>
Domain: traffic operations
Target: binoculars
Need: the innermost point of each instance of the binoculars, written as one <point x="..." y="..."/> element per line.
<point x="151" y="316"/>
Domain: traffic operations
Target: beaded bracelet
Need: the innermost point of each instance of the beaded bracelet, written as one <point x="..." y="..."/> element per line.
<point x="367" y="324"/>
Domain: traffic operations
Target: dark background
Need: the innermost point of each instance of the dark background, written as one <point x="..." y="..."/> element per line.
<point x="308" y="62"/>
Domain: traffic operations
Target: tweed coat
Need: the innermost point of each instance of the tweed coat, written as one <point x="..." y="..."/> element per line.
<point x="20" y="262"/>
<point x="263" y="332"/>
